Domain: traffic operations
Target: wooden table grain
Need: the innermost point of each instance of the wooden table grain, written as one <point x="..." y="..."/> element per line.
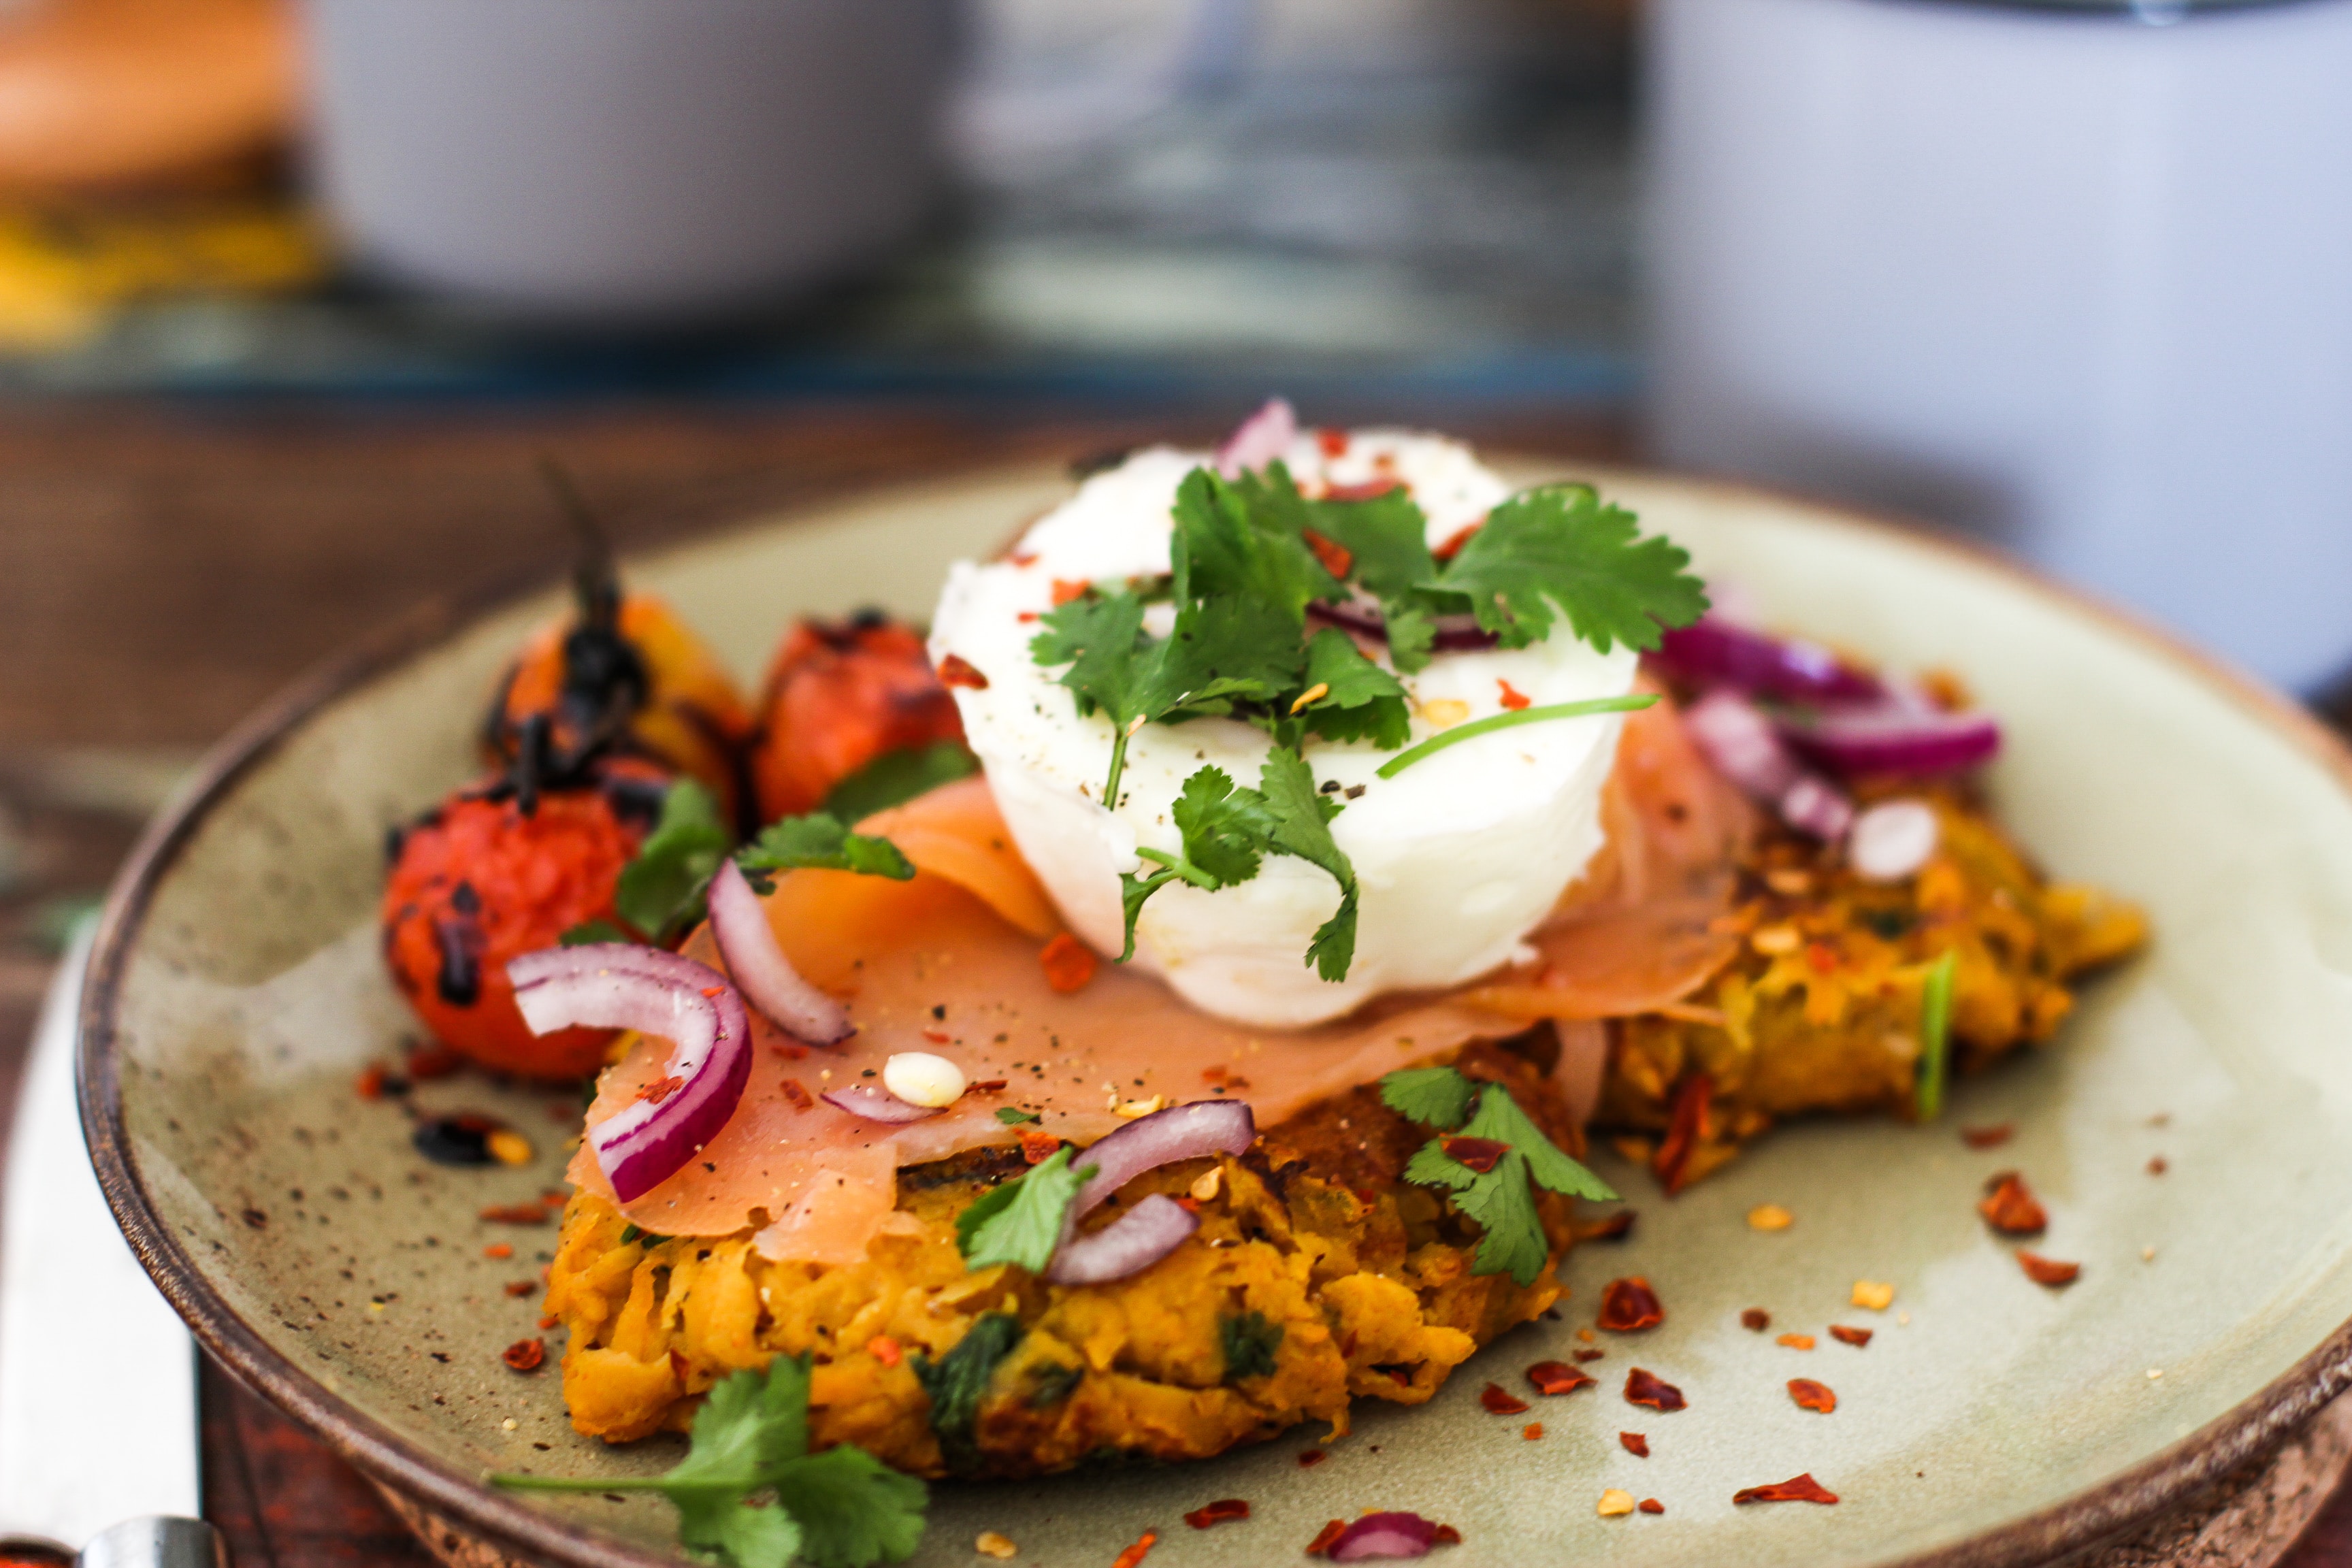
<point x="163" y="569"/>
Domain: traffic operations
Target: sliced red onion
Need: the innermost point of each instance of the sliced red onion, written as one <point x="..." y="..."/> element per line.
<point x="1892" y="737"/>
<point x="1364" y="618"/>
<point x="1129" y="1245"/>
<point x="1718" y="651"/>
<point x="615" y="985"/>
<point x="1258" y="439"/>
<point x="770" y="982"/>
<point x="1384" y="1535"/>
<point x="874" y="1105"/>
<point x="1893" y="839"/>
<point x="1162" y="1138"/>
<point x="1734" y="735"/>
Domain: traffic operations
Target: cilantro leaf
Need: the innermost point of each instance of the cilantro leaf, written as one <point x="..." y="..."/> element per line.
<point x="755" y="1537"/>
<point x="746" y="1427"/>
<point x="897" y="777"/>
<point x="958" y="1380"/>
<point x="1502" y="1198"/>
<point x="589" y="932"/>
<point x="1302" y="828"/>
<point x="1224" y="829"/>
<point x="1360" y="700"/>
<point x="851" y="1508"/>
<point x="660" y="892"/>
<point x="1112" y="666"/>
<point x="1434" y="1097"/>
<point x="1500" y="1118"/>
<point x="1014" y="1115"/>
<point x="1240" y="540"/>
<point x="1387" y="538"/>
<point x="1250" y="1343"/>
<point x="1561" y="545"/>
<point x="1020" y="1220"/>
<point x="818" y="841"/>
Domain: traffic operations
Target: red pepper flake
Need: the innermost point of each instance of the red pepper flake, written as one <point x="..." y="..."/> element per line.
<point x="1037" y="1147"/>
<point x="1796" y="1341"/>
<point x="1137" y="1552"/>
<point x="1857" y="1338"/>
<point x="1325" y="1536"/>
<point x="799" y="1098"/>
<point x="1613" y="1227"/>
<point x="957" y="670"/>
<point x="1500" y="1403"/>
<point x="521" y="1286"/>
<point x="1368" y="489"/>
<point x="2011" y="1207"/>
<point x="1217" y="1512"/>
<point x="1445" y="1535"/>
<point x="1756" y="1319"/>
<point x="1989" y="1137"/>
<point x="1022" y="558"/>
<point x="679" y="1367"/>
<point x="789" y="1053"/>
<point x="1686" y="1130"/>
<point x="1067" y="588"/>
<point x="2047" y="1270"/>
<point x="434" y="1061"/>
<point x="1069" y="964"/>
<point x="1629" y="1305"/>
<point x="1820" y="958"/>
<point x="884" y="1349"/>
<point x="524" y="1355"/>
<point x="1532" y="1431"/>
<point x="1025" y="617"/>
<point x="1800" y="1489"/>
<point x="1461" y="536"/>
<point x="987" y="1086"/>
<point x="371" y="1084"/>
<point x="661" y="1088"/>
<point x="1811" y="1396"/>
<point x="549" y="1322"/>
<point x="1311" y="1457"/>
<point x="1337" y="558"/>
<point x="1481" y="1155"/>
<point x="1652" y="1505"/>
<point x="1643" y="1388"/>
<point x="516" y="1213"/>
<point x="1513" y="698"/>
<point x="1585" y="1355"/>
<point x="1634" y="1443"/>
<point x="937" y="1036"/>
<point x="1333" y="442"/>
<point x="2157" y="1166"/>
<point x="499" y="1249"/>
<point x="1556" y="1377"/>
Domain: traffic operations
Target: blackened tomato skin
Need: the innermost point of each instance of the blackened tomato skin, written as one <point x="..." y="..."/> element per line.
<point x="478" y="883"/>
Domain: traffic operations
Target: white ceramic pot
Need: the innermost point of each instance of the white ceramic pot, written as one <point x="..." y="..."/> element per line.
<point x="625" y="160"/>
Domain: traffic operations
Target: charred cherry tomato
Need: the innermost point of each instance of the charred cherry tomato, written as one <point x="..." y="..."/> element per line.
<point x="839" y="694"/>
<point x="482" y="880"/>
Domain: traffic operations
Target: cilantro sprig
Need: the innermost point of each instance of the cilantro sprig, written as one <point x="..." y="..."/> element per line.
<point x="1020" y="1220"/>
<point x="839" y="1509"/>
<point x="1500" y="1198"/>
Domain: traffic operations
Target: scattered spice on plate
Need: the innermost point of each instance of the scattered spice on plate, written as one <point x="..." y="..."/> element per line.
<point x="1144" y="1542"/>
<point x="1584" y="1334"/>
<point x="1991" y="1137"/>
<point x="499" y="1249"/>
<point x="1557" y="1377"/>
<point x="2011" y="1207"/>
<point x="1875" y="1294"/>
<point x="1513" y="699"/>
<point x="516" y="1213"/>
<point x="1634" y="1443"/>
<point x="373" y="1079"/>
<point x="1796" y="1341"/>
<point x="1499" y="1402"/>
<point x="1588" y="1355"/>
<point x="1629" y="1305"/>
<point x="1857" y="1338"/>
<point x="1644" y="1388"/>
<point x="427" y="1063"/>
<point x="1325" y="1536"/>
<point x="2047" y="1270"/>
<point x="1614" y="1502"/>
<point x="1798" y="1488"/>
<point x="1217" y="1512"/>
<point x="1811" y="1396"/>
<point x="957" y="670"/>
<point x="999" y="1547"/>
<point x="1609" y="1227"/>
<point x="548" y="1323"/>
<point x="524" y="1355"/>
<point x="1037" y="1147"/>
<point x="1769" y="1216"/>
<point x="1756" y="1319"/>
<point x="885" y="1350"/>
<point x="1311" y="1457"/>
<point x="1532" y="1431"/>
<point x="521" y="1286"/>
<point x="2157" y="1166"/>
<point x="1652" y="1505"/>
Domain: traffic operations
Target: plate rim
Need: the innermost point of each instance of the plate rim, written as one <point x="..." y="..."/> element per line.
<point x="2099" y="1512"/>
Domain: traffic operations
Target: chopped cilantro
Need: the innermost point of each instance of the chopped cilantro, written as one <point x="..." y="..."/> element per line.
<point x="1250" y="1343"/>
<point x="818" y="841"/>
<point x="1020" y="1220"/>
<point x="958" y="1380"/>
<point x="1633" y="703"/>
<point x="1935" y="1035"/>
<point x="630" y="1233"/>
<point x="1562" y="546"/>
<point x="897" y="777"/>
<point x="1014" y="1115"/>
<point x="660" y="892"/>
<point x="1050" y="1382"/>
<point x="595" y="930"/>
<point x="839" y="1509"/>
<point x="1501" y="1199"/>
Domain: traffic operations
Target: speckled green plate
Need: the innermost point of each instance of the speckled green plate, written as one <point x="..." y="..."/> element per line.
<point x="236" y="992"/>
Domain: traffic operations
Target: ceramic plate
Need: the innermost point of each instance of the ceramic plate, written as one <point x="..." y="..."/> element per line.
<point x="237" y="993"/>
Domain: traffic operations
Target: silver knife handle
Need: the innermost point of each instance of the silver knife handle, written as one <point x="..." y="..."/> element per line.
<point x="156" y="1541"/>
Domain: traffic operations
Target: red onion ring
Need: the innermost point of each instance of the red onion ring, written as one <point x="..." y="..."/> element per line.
<point x="1129" y="1245"/>
<point x="1384" y="1535"/>
<point x="1455" y="633"/>
<point x="769" y="982"/>
<point x="613" y="986"/>
<point x="1258" y="439"/>
<point x="1734" y="735"/>
<point x="874" y="1104"/>
<point x="1892" y="737"/>
<point x="1162" y="1138"/>
<point x="1716" y="651"/>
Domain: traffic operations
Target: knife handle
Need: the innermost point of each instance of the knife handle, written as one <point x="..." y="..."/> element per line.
<point x="157" y="1540"/>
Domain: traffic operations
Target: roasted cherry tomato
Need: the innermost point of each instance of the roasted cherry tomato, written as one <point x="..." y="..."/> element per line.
<point x="839" y="694"/>
<point x="483" y="880"/>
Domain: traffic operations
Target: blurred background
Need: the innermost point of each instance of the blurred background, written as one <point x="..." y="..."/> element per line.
<point x="295" y="293"/>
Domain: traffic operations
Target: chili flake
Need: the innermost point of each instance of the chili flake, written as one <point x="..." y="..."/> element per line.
<point x="1796" y="1341"/>
<point x="1455" y="541"/>
<point x="1586" y="1355"/>
<point x="1500" y="1403"/>
<point x="884" y="1349"/>
<point x="1811" y="1396"/>
<point x="2157" y="1166"/>
<point x="1481" y="1155"/>
<point x="799" y="1098"/>
<point x="498" y="1249"/>
<point x="1634" y="1443"/>
<point x="1069" y="964"/>
<point x="1610" y="1227"/>
<point x="1217" y="1512"/>
<point x="371" y="1081"/>
<point x="2047" y="1270"/>
<point x="1798" y="1488"/>
<point x="524" y="1355"/>
<point x="1989" y="1137"/>
<point x="549" y="1322"/>
<point x="1325" y="1536"/>
<point x="521" y="1286"/>
<point x="1652" y="1505"/>
<point x="660" y="1088"/>
<point x="1143" y="1543"/>
<point x="516" y="1213"/>
<point x="1643" y="1388"/>
<point x="1875" y="1294"/>
<point x="1532" y="1431"/>
<point x="1755" y="1319"/>
<point x="1068" y="588"/>
<point x="1614" y="1502"/>
<point x="428" y="1062"/>
<point x="1036" y="1148"/>
<point x="1555" y="1377"/>
<point x="1337" y="558"/>
<point x="1629" y="1305"/>
<point x="1311" y="1457"/>
<point x="2011" y="1207"/>
<point x="1857" y="1338"/>
<point x="1769" y="1216"/>
<point x="957" y="670"/>
<point x="1513" y="699"/>
<point x="1686" y="1129"/>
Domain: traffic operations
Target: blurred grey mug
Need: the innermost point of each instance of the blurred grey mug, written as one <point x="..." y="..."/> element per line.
<point x="625" y="161"/>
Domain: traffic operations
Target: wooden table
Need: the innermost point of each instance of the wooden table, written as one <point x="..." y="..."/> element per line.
<point x="164" y="570"/>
